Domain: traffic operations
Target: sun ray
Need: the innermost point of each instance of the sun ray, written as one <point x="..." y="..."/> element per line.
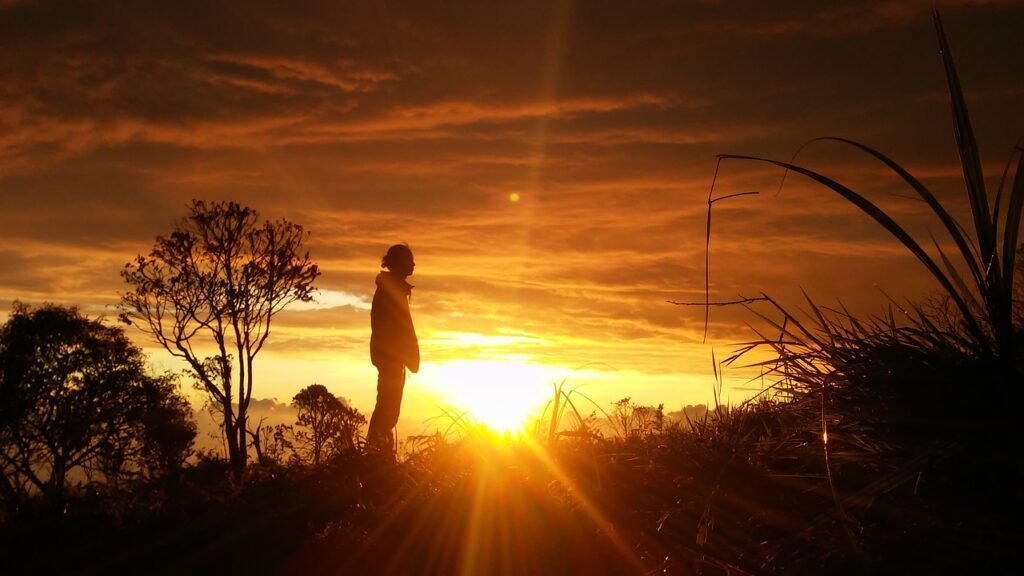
<point x="592" y="511"/>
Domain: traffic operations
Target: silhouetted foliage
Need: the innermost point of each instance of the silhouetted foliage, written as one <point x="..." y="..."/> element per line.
<point x="168" y="430"/>
<point x="635" y="421"/>
<point x="75" y="398"/>
<point x="869" y="412"/>
<point x="325" y="425"/>
<point x="984" y="296"/>
<point x="218" y="280"/>
<point x="274" y="444"/>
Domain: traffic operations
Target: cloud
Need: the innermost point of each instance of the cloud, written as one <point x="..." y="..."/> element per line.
<point x="688" y="413"/>
<point x="371" y="124"/>
<point x="270" y="406"/>
<point x="345" y="75"/>
<point x="327" y="299"/>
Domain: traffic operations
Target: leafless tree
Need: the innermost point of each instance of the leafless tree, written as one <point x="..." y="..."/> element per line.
<point x="208" y="292"/>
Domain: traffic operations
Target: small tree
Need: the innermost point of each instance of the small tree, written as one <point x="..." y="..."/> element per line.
<point x="274" y="443"/>
<point x="217" y="282"/>
<point x="326" y="425"/>
<point x="75" y="395"/>
<point x="167" y="426"/>
<point x="635" y="421"/>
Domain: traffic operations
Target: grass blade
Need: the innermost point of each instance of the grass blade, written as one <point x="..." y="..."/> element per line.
<point x="952" y="226"/>
<point x="967" y="147"/>
<point x="955" y="277"/>
<point x="889" y="224"/>
<point x="1010" y="234"/>
<point x="707" y="254"/>
<point x="707" y="244"/>
<point x="999" y="189"/>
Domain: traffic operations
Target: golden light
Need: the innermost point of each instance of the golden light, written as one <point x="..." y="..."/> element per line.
<point x="513" y="197"/>
<point x="501" y="394"/>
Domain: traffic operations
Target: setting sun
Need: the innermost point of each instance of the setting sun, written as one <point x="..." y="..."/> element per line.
<point x="500" y="394"/>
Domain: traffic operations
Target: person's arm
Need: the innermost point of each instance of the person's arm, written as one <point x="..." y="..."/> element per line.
<point x="413" y="361"/>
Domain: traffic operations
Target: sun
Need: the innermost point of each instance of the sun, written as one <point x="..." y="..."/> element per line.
<point x="501" y="394"/>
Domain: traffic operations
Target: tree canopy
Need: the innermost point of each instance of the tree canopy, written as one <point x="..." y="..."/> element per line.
<point x="208" y="292"/>
<point x="327" y="425"/>
<point x="75" y="398"/>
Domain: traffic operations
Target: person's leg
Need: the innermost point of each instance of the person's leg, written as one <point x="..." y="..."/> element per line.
<point x="396" y="386"/>
<point x="395" y="406"/>
<point x="390" y="384"/>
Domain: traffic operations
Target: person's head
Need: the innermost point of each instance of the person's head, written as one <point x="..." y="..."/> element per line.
<point x="399" y="260"/>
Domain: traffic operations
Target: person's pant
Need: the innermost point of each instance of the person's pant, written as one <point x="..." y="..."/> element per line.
<point x="390" y="384"/>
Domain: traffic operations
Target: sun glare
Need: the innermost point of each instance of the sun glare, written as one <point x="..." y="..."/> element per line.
<point x="500" y="394"/>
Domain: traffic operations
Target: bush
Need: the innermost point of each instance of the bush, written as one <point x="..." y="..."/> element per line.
<point x="77" y="406"/>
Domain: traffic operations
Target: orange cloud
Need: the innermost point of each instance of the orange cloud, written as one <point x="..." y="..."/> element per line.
<point x="373" y="127"/>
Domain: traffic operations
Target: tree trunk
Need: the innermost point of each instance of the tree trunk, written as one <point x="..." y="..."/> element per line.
<point x="57" y="478"/>
<point x="231" y="436"/>
<point x="242" y="440"/>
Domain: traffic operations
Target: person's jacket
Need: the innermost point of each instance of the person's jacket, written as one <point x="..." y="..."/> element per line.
<point x="393" y="338"/>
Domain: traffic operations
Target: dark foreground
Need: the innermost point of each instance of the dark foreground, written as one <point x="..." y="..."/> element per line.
<point x="669" y="503"/>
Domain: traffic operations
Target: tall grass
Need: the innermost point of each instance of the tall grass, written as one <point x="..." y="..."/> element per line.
<point x="562" y="418"/>
<point x="903" y="402"/>
<point x="985" y="298"/>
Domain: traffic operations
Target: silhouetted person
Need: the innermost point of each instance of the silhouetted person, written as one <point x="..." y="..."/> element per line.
<point x="393" y="344"/>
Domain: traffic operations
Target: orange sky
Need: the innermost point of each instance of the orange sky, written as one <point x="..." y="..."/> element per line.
<point x="372" y="123"/>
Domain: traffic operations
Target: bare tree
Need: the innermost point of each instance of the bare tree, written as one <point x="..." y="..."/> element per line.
<point x="214" y="285"/>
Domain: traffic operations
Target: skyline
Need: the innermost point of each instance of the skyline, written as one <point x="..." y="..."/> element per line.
<point x="549" y="166"/>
